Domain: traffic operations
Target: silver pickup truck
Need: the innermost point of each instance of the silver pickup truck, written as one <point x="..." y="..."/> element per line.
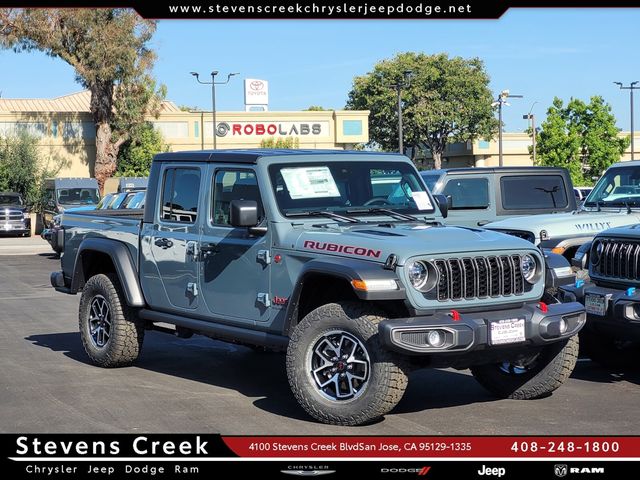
<point x="339" y="258"/>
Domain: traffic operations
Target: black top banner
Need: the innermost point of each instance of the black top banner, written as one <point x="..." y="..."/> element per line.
<point x="316" y="9"/>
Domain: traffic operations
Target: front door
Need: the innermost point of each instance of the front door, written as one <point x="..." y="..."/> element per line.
<point x="472" y="202"/>
<point x="169" y="263"/>
<point x="234" y="275"/>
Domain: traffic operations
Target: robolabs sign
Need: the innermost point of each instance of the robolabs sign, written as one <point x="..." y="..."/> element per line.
<point x="272" y="129"/>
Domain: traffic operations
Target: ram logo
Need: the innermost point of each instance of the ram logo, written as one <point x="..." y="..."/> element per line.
<point x="560" y="470"/>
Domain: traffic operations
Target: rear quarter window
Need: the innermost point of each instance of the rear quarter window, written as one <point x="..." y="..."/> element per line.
<point x="533" y="192"/>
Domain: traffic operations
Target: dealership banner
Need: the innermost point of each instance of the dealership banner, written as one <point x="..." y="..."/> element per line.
<point x="315" y="9"/>
<point x="208" y="455"/>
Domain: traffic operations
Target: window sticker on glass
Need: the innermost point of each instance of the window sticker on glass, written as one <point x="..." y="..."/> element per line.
<point x="422" y="200"/>
<point x="310" y="182"/>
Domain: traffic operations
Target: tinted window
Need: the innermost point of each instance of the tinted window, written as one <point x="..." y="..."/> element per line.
<point x="180" y="193"/>
<point x="77" y="196"/>
<point x="233" y="185"/>
<point x="468" y="192"/>
<point x="11" y="200"/>
<point x="533" y="192"/>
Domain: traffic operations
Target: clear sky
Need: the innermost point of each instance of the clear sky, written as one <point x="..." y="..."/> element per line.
<point x="539" y="53"/>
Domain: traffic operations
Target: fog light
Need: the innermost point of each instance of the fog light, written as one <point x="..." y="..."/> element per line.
<point x="563" y="326"/>
<point x="435" y="338"/>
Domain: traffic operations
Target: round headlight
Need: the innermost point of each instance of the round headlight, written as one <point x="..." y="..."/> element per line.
<point x="528" y="267"/>
<point x="418" y="274"/>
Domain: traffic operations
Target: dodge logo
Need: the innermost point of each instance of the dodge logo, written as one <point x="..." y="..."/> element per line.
<point x="256" y="85"/>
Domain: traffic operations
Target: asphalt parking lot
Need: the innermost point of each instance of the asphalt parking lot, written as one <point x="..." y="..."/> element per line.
<point x="200" y="385"/>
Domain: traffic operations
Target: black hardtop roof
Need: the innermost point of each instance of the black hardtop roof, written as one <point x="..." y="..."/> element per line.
<point x="251" y="155"/>
<point x="495" y="170"/>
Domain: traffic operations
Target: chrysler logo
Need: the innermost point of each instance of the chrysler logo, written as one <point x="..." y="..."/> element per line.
<point x="256" y="85"/>
<point x="307" y="473"/>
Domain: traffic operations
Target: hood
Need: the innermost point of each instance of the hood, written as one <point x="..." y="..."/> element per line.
<point x="631" y="231"/>
<point x="567" y="224"/>
<point x="376" y="243"/>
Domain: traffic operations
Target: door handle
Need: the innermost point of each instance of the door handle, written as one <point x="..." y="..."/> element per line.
<point x="482" y="223"/>
<point x="164" y="243"/>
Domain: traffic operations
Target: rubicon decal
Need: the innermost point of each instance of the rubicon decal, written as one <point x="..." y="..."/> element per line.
<point x="348" y="249"/>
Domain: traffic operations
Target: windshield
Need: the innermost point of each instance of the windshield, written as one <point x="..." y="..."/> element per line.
<point x="77" y="196"/>
<point x="430" y="179"/>
<point x="11" y="200"/>
<point x="617" y="187"/>
<point x="354" y="187"/>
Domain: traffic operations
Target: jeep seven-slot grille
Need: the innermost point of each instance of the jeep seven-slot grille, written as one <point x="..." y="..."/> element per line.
<point x="619" y="259"/>
<point x="479" y="277"/>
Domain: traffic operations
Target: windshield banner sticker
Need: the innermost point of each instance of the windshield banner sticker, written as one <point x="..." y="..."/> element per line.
<point x="310" y="182"/>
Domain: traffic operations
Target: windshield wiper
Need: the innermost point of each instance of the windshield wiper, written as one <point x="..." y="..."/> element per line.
<point x="391" y="213"/>
<point x="323" y="213"/>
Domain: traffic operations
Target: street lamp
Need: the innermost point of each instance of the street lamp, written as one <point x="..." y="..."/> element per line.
<point x="532" y="117"/>
<point x="213" y="84"/>
<point x="502" y="100"/>
<point x="398" y="86"/>
<point x="631" y="88"/>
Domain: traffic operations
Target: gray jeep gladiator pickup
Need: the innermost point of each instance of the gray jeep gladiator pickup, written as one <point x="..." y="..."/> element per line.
<point x="339" y="258"/>
<point x="611" y="335"/>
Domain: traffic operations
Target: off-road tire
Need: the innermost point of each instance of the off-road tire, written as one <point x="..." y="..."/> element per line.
<point x="550" y="369"/>
<point x="126" y="332"/>
<point x="387" y="380"/>
<point x="608" y="351"/>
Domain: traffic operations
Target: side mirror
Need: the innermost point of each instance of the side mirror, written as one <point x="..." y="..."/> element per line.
<point x="444" y="203"/>
<point x="243" y="213"/>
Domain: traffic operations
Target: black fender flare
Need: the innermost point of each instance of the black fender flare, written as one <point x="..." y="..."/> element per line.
<point x="344" y="269"/>
<point x="554" y="264"/>
<point x="122" y="261"/>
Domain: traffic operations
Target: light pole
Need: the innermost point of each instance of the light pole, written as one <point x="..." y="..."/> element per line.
<point x="631" y="88"/>
<point x="213" y="84"/>
<point x="502" y="100"/>
<point x="398" y="86"/>
<point x="532" y="117"/>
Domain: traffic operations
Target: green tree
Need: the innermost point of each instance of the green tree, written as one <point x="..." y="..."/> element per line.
<point x="287" y="142"/>
<point x="108" y="48"/>
<point x="581" y="137"/>
<point x="23" y="170"/>
<point x="445" y="100"/>
<point x="316" y="108"/>
<point x="136" y="154"/>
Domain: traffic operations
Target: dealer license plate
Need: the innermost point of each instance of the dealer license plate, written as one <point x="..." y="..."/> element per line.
<point x="595" y="304"/>
<point x="507" y="331"/>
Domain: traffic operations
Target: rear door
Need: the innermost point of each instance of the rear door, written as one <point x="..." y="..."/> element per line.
<point x="472" y="200"/>
<point x="169" y="264"/>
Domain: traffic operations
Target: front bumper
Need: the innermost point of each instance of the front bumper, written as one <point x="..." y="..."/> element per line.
<point x="621" y="311"/>
<point x="11" y="227"/>
<point x="472" y="331"/>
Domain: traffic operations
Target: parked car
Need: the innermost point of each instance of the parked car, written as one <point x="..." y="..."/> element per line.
<point x="65" y="193"/>
<point x="611" y="336"/>
<point x="301" y="250"/>
<point x="128" y="184"/>
<point x="613" y="202"/>
<point x="483" y="195"/>
<point x="15" y="218"/>
<point x="581" y="193"/>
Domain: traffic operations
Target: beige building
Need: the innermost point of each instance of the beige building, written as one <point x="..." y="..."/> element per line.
<point x="66" y="130"/>
<point x="485" y="153"/>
